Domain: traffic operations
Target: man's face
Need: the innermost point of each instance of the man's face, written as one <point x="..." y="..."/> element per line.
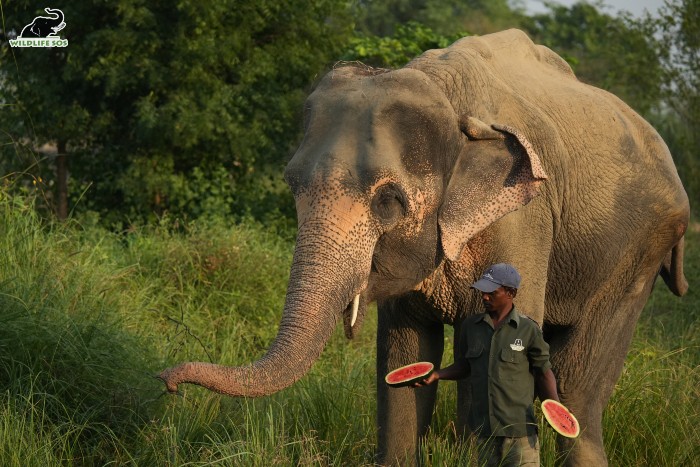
<point x="498" y="300"/>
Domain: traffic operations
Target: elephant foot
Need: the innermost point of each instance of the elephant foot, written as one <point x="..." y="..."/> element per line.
<point x="582" y="452"/>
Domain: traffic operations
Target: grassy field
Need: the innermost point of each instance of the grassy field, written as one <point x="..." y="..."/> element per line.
<point x="88" y="317"/>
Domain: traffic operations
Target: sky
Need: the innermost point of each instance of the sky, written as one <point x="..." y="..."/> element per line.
<point x="636" y="7"/>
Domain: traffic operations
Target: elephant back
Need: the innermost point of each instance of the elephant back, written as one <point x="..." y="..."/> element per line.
<point x="482" y="70"/>
<point x="505" y="78"/>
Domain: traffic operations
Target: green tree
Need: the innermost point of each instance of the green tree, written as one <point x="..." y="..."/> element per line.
<point x="408" y="41"/>
<point x="380" y="18"/>
<point x="477" y="16"/>
<point x="679" y="120"/>
<point x="38" y="109"/>
<point x="185" y="106"/>
<point x="448" y="17"/>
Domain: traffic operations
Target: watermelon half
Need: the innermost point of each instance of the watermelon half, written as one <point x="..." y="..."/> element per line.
<point x="560" y="418"/>
<point x="409" y="374"/>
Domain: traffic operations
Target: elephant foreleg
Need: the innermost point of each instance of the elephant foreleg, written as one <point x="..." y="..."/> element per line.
<point x="404" y="335"/>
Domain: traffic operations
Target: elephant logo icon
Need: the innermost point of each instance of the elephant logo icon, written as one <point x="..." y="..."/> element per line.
<point x="43" y="26"/>
<point x="42" y="31"/>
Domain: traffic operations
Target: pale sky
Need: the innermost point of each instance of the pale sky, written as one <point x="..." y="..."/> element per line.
<point x="636" y="7"/>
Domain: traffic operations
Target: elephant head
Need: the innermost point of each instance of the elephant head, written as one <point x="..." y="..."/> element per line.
<point x="43" y="26"/>
<point x="389" y="182"/>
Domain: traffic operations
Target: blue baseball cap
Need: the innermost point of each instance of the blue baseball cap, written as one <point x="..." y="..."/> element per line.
<point x="498" y="275"/>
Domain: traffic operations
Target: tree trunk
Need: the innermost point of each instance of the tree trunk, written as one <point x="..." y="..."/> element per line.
<point x="61" y="182"/>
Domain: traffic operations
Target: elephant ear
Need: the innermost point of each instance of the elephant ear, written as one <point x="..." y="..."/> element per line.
<point x="497" y="172"/>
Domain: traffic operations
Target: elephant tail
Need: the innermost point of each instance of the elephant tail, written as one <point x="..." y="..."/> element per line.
<point x="672" y="270"/>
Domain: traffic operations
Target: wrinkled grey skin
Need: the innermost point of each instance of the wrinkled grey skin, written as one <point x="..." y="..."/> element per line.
<point x="43" y="26"/>
<point x="409" y="183"/>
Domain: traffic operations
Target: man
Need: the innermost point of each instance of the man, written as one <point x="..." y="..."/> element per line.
<point x="507" y="358"/>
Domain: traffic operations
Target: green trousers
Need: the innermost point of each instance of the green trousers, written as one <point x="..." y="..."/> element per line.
<point x="509" y="452"/>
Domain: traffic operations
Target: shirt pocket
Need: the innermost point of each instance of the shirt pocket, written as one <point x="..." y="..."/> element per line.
<point x="513" y="364"/>
<point x="512" y="356"/>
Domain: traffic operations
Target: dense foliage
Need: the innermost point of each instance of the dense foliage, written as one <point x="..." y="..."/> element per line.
<point x="408" y="41"/>
<point x="176" y="106"/>
<point x="680" y="122"/>
<point x="193" y="108"/>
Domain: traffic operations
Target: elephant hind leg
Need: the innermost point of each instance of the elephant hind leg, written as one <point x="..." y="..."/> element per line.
<point x="584" y="387"/>
<point x="588" y="360"/>
<point x="404" y="335"/>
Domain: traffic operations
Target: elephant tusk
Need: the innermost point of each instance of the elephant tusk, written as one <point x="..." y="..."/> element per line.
<point x="355" y="306"/>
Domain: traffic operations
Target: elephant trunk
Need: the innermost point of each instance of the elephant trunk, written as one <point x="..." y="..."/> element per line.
<point x="320" y="288"/>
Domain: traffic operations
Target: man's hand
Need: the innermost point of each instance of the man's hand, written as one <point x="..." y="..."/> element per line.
<point x="458" y="370"/>
<point x="432" y="377"/>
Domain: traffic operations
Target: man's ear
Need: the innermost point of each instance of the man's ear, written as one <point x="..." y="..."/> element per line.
<point x="496" y="173"/>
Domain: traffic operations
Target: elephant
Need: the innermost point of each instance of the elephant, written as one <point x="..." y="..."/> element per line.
<point x="43" y="26"/>
<point x="408" y="183"/>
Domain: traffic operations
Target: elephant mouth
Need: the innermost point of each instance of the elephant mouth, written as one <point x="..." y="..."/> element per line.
<point x="354" y="314"/>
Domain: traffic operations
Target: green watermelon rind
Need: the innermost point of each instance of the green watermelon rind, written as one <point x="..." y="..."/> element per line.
<point x="553" y="423"/>
<point x="410" y="381"/>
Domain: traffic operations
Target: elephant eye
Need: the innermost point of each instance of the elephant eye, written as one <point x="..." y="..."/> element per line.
<point x="389" y="204"/>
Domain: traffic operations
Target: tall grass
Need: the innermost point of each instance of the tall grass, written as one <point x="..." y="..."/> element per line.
<point x="87" y="317"/>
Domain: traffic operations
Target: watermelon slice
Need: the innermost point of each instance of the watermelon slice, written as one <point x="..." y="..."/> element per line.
<point x="409" y="374"/>
<point x="560" y="418"/>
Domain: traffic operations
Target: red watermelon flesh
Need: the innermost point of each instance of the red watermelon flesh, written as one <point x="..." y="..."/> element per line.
<point x="409" y="374"/>
<point x="560" y="418"/>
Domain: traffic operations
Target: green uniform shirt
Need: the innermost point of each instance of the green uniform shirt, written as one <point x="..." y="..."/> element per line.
<point x="502" y="364"/>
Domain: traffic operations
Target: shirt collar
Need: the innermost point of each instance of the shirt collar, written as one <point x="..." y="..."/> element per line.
<point x="513" y="317"/>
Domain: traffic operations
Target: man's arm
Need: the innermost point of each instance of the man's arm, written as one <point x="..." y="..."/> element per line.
<point x="546" y="385"/>
<point x="458" y="370"/>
